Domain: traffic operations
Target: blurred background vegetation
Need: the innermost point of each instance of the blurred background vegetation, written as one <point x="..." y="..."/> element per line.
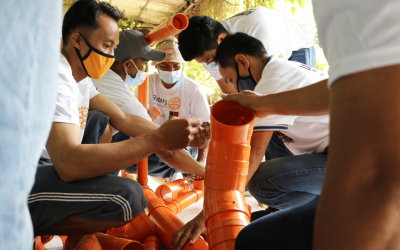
<point x="300" y="10"/>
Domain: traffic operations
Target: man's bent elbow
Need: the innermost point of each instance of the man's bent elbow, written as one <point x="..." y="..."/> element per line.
<point x="65" y="174"/>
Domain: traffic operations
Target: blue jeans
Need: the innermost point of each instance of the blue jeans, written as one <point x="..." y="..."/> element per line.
<point x="305" y="56"/>
<point x="29" y="55"/>
<point x="285" y="180"/>
<point x="289" y="229"/>
<point x="157" y="167"/>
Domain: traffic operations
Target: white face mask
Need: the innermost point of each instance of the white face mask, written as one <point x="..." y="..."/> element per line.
<point x="170" y="77"/>
<point x="213" y="65"/>
<point x="139" y="78"/>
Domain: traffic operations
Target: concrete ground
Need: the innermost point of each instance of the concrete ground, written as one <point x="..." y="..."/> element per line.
<point x="186" y="215"/>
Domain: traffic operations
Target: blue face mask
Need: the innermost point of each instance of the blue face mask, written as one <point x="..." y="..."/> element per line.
<point x="213" y="65"/>
<point x="170" y="77"/>
<point x="139" y="78"/>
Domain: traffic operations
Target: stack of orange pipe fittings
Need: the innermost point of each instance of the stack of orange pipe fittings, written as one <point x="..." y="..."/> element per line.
<point x="225" y="208"/>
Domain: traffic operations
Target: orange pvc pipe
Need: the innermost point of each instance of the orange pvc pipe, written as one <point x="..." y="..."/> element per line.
<point x="171" y="191"/>
<point x="88" y="242"/>
<point x="151" y="243"/>
<point x="225" y="208"/>
<point x="64" y="239"/>
<point x="39" y="244"/>
<point x="167" y="223"/>
<point x="198" y="183"/>
<point x="138" y="229"/>
<point x="109" y="242"/>
<point x="168" y="28"/>
<point x="143" y="93"/>
<point x="143" y="97"/>
<point x="183" y="202"/>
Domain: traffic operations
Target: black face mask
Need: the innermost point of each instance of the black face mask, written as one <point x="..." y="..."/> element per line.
<point x="245" y="83"/>
<point x="248" y="82"/>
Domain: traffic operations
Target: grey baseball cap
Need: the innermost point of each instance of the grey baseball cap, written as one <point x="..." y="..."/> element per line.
<point x="132" y="44"/>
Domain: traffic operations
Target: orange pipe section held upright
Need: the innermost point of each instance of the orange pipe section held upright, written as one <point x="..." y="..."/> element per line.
<point x="225" y="208"/>
<point x="143" y="97"/>
<point x="168" y="28"/>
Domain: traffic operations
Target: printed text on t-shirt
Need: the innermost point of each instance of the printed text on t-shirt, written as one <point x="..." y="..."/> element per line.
<point x="160" y="100"/>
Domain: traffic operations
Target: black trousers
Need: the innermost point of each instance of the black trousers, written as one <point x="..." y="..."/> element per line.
<point x="104" y="198"/>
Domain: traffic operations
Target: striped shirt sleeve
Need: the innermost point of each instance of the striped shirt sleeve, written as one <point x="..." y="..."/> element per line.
<point x="274" y="123"/>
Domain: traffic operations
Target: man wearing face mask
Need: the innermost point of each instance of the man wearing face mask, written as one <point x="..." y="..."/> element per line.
<point x="130" y="69"/>
<point x="176" y="95"/>
<point x="280" y="183"/>
<point x="73" y="192"/>
<point x="281" y="36"/>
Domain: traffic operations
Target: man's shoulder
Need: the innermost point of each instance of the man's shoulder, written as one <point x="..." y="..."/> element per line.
<point x="189" y="81"/>
<point x="65" y="77"/>
<point x="153" y="78"/>
<point x="289" y="70"/>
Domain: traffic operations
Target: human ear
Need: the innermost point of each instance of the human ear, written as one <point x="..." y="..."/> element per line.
<point x="242" y="61"/>
<point x="125" y="64"/>
<point x="220" y="38"/>
<point x="76" y="40"/>
<point x="243" y="64"/>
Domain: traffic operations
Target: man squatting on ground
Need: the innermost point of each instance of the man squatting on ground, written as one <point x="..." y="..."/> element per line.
<point x="281" y="36"/>
<point x="130" y="69"/>
<point x="281" y="182"/>
<point x="175" y="94"/>
<point x="73" y="191"/>
<point x="362" y="174"/>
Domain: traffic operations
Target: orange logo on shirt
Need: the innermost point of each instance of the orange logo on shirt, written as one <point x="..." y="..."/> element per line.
<point x="83" y="113"/>
<point x="174" y="103"/>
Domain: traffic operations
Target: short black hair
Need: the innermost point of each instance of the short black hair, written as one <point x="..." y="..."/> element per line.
<point x="200" y="36"/>
<point x="85" y="14"/>
<point x="238" y="43"/>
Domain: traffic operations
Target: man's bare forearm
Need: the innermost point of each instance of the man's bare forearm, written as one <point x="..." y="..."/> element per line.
<point x="312" y="100"/>
<point x="91" y="160"/>
<point x="202" y="155"/>
<point x="179" y="159"/>
<point x="182" y="160"/>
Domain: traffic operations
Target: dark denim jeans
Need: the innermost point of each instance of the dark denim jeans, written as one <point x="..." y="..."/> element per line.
<point x="285" y="180"/>
<point x="305" y="56"/>
<point x="288" y="182"/>
<point x="289" y="229"/>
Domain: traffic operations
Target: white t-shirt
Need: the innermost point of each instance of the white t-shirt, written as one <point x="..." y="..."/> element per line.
<point x="185" y="99"/>
<point x="309" y="133"/>
<point x="358" y="35"/>
<point x="114" y="88"/>
<point x="72" y="104"/>
<point x="278" y="33"/>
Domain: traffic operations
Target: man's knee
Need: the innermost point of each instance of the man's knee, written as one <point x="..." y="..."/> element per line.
<point x="263" y="190"/>
<point x="96" y="125"/>
<point x="132" y="191"/>
<point x="97" y="117"/>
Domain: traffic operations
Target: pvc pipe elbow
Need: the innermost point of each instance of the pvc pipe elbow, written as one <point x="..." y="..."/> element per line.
<point x="168" y="28"/>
